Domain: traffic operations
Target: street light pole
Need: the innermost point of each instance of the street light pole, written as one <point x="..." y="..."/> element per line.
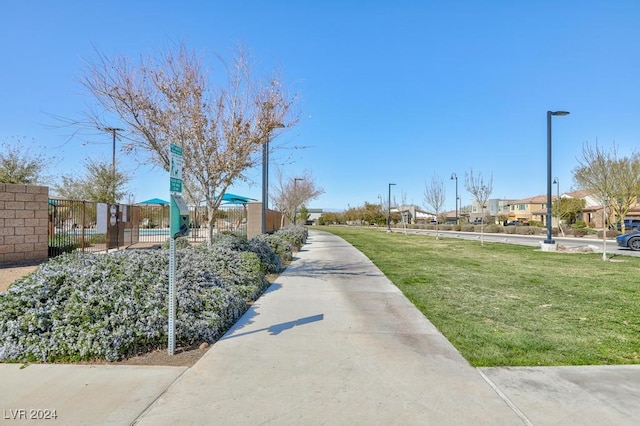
<point x="113" y="131"/>
<point x="389" y="210"/>
<point x="295" y="198"/>
<point x="265" y="184"/>
<point x="265" y="177"/>
<point x="549" y="239"/>
<point x="556" y="181"/>
<point x="454" y="176"/>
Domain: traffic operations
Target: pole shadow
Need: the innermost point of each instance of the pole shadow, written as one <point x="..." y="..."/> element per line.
<point x="276" y="329"/>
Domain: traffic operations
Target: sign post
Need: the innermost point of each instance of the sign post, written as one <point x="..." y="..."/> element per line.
<point x="175" y="189"/>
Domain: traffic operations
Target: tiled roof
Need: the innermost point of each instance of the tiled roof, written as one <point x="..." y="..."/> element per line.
<point x="538" y="199"/>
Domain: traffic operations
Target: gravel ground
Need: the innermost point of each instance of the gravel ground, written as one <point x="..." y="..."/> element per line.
<point x="10" y="273"/>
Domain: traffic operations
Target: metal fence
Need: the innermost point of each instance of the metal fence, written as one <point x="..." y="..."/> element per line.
<point x="92" y="227"/>
<point x="230" y="218"/>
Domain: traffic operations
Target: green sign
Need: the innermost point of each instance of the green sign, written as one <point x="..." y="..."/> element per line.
<point x="175" y="185"/>
<point x="175" y="149"/>
<point x="175" y="169"/>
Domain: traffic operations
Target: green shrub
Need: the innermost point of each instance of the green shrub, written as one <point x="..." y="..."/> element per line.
<point x="580" y="224"/>
<point x="230" y="240"/>
<point x="181" y="242"/>
<point x="611" y="233"/>
<point x="110" y="306"/>
<point x="524" y="230"/>
<point x="294" y="235"/>
<point x="97" y="239"/>
<point x="62" y="243"/>
<point x="268" y="257"/>
<point x="495" y="229"/>
<point x="279" y="245"/>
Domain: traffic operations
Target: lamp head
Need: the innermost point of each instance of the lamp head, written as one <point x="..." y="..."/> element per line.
<point x="559" y="113"/>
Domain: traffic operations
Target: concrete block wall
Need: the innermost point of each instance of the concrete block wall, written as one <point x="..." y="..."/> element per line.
<point x="23" y="223"/>
<point x="254" y="219"/>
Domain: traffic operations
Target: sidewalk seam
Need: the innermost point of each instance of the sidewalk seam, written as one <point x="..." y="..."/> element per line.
<point x="152" y="403"/>
<point x="506" y="399"/>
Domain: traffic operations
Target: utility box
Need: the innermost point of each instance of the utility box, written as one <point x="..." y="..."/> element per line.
<point x="109" y="222"/>
<point x="179" y="217"/>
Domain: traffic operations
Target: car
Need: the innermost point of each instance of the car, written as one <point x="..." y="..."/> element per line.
<point x="513" y="223"/>
<point x="629" y="240"/>
<point x="477" y="221"/>
<point x="630" y="225"/>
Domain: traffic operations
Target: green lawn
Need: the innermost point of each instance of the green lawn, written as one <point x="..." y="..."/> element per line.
<point x="509" y="305"/>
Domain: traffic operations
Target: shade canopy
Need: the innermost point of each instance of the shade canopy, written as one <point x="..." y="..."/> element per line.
<point x="154" y="201"/>
<point x="228" y="198"/>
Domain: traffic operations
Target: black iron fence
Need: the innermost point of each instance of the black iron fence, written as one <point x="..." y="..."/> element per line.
<point x="88" y="226"/>
<point x="92" y="227"/>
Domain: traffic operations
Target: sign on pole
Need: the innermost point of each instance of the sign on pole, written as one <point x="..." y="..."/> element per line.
<point x="175" y="187"/>
<point x="175" y="172"/>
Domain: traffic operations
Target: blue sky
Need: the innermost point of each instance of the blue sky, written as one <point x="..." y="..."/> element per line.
<point x="389" y="91"/>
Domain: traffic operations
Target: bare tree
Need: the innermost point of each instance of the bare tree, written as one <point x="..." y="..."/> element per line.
<point x="292" y="192"/>
<point x="614" y="181"/>
<point x="169" y="99"/>
<point x="480" y="191"/>
<point x="401" y="210"/>
<point x="626" y="173"/>
<point x="434" y="197"/>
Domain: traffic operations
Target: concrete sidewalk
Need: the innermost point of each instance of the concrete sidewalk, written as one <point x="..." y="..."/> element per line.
<point x="334" y="342"/>
<point x="331" y="342"/>
<point x="67" y="394"/>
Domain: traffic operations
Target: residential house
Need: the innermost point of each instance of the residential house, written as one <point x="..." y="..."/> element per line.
<point x="314" y="215"/>
<point x="592" y="212"/>
<point x="495" y="207"/>
<point x="534" y="209"/>
<point x="413" y="214"/>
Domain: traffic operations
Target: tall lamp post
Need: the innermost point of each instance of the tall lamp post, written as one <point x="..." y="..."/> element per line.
<point x="113" y="131"/>
<point x="454" y="176"/>
<point x="265" y="184"/>
<point x="549" y="239"/>
<point x="389" y="210"/>
<point x="556" y="182"/>
<point x="265" y="177"/>
<point x="295" y="195"/>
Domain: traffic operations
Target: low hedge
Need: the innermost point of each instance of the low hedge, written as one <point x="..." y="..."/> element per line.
<point x="111" y="306"/>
